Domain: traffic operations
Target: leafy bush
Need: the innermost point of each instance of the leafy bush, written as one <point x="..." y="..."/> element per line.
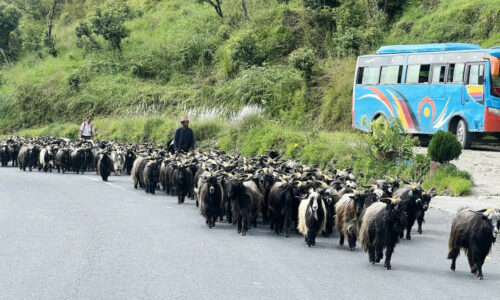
<point x="388" y="141"/>
<point x="444" y="147"/>
<point x="9" y="21"/>
<point x="318" y="4"/>
<point x="276" y="89"/>
<point x="450" y="180"/>
<point x="303" y="59"/>
<point x="150" y="126"/>
<point x="246" y="52"/>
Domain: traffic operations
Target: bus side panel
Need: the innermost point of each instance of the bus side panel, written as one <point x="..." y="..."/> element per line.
<point x="369" y="102"/>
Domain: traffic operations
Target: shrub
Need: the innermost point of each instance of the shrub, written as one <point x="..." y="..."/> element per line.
<point x="150" y="126"/>
<point x="246" y="52"/>
<point x="450" y="180"/>
<point x="388" y="141"/>
<point x="318" y="4"/>
<point x="444" y="147"/>
<point x="303" y="59"/>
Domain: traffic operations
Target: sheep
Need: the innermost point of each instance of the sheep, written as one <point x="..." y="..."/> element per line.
<point x="312" y="217"/>
<point x="104" y="165"/>
<point x="474" y="232"/>
<point x="382" y="223"/>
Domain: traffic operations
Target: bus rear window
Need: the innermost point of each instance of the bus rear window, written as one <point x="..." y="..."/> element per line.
<point x="368" y="75"/>
<point x="418" y="74"/>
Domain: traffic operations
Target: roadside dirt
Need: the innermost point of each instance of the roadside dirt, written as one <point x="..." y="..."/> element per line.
<point x="484" y="166"/>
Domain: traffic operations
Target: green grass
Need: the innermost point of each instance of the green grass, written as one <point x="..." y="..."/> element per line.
<point x="448" y="180"/>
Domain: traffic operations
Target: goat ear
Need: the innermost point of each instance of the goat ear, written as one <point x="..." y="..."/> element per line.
<point x="410" y="194"/>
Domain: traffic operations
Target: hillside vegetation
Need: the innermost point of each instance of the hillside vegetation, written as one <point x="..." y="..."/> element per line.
<point x="253" y="74"/>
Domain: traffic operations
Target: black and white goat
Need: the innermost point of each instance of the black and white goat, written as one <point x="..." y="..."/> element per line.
<point x="312" y="217"/>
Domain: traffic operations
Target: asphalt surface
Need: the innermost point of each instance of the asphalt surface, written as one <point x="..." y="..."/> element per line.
<point x="74" y="236"/>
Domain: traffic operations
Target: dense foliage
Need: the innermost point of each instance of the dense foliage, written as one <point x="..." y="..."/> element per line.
<point x="293" y="58"/>
<point x="444" y="147"/>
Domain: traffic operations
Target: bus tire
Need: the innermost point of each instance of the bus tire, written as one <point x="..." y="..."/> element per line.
<point x="463" y="135"/>
<point x="424" y="139"/>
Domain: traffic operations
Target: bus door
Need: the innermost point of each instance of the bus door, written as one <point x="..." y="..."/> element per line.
<point x="473" y="95"/>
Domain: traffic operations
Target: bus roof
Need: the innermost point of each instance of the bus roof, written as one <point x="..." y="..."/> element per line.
<point x="392" y="49"/>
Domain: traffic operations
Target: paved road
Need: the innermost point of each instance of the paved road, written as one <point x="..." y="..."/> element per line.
<point x="74" y="236"/>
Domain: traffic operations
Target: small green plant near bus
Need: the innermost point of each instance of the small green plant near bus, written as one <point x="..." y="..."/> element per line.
<point x="444" y="147"/>
<point x="449" y="180"/>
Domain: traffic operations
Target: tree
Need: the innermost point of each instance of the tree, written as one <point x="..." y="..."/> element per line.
<point x="244" y="6"/>
<point x="318" y="4"/>
<point x="38" y="9"/>
<point x="9" y="21"/>
<point x="391" y="7"/>
<point x="49" y="41"/>
<point x="216" y="4"/>
<point x="110" y="24"/>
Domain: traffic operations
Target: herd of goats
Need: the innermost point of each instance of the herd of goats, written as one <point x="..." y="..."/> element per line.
<point x="286" y="194"/>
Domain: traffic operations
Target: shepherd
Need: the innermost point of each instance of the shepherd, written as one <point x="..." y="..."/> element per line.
<point x="184" y="137"/>
<point x="87" y="129"/>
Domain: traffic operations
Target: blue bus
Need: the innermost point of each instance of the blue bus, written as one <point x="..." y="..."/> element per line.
<point x="450" y="86"/>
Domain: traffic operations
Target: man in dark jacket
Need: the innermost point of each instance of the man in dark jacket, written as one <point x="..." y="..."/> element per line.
<point x="184" y="138"/>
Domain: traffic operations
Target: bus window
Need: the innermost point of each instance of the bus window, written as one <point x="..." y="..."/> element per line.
<point x="476" y="74"/>
<point x="391" y="74"/>
<point x="418" y="74"/>
<point x="456" y="73"/>
<point x="495" y="85"/>
<point x="438" y="74"/>
<point x="370" y="75"/>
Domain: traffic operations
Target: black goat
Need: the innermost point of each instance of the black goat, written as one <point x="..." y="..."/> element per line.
<point x="151" y="176"/>
<point x="474" y="232"/>
<point x="210" y="197"/>
<point x="281" y="202"/>
<point x="104" y="165"/>
<point x="381" y="226"/>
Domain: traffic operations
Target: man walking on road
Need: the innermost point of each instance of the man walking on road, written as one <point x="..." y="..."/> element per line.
<point x="184" y="138"/>
<point x="87" y="129"/>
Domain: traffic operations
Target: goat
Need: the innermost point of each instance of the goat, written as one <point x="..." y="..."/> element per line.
<point x="312" y="217"/>
<point x="474" y="232"/>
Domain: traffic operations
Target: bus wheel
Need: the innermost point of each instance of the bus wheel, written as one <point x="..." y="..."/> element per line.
<point x="424" y="139"/>
<point x="463" y="134"/>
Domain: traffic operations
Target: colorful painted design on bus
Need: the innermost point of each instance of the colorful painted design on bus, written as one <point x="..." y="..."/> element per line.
<point x="475" y="91"/>
<point x="429" y="88"/>
<point x="398" y="107"/>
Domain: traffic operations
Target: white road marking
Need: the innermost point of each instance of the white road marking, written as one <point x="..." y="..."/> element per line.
<point x="116" y="186"/>
<point x="109" y="183"/>
<point x="91" y="178"/>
